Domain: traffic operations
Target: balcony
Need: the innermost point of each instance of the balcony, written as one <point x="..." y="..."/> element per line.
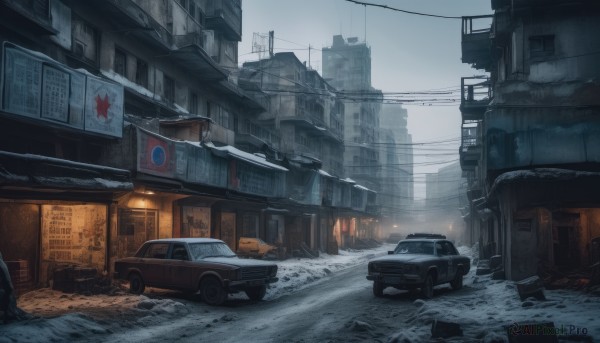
<point x="476" y="94"/>
<point x="225" y="16"/>
<point x="252" y="133"/>
<point x="191" y="56"/>
<point x="470" y="148"/>
<point x="28" y="15"/>
<point x="476" y="47"/>
<point x="129" y="18"/>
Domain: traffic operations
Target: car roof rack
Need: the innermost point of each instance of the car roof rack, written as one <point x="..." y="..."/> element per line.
<point x="425" y="235"/>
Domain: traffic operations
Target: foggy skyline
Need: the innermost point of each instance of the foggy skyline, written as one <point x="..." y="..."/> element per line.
<point x="409" y="53"/>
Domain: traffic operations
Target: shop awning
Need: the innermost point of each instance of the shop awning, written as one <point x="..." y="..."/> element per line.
<point x="232" y="152"/>
<point x="38" y="172"/>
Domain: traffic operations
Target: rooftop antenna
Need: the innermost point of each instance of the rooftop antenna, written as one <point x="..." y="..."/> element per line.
<point x="258" y="44"/>
<point x="365" y="22"/>
<point x="271" y="42"/>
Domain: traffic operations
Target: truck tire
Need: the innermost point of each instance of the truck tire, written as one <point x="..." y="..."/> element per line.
<point x="427" y="288"/>
<point x="212" y="292"/>
<point x="378" y="289"/>
<point x="256" y="293"/>
<point x="136" y="284"/>
<point x="457" y="282"/>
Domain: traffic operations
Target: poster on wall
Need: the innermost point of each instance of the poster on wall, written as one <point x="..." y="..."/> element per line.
<point x="104" y="107"/>
<point x="195" y="221"/>
<point x="22" y="83"/>
<point x="74" y="234"/>
<point x="55" y="94"/>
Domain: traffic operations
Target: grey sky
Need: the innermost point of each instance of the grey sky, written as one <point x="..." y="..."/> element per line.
<point x="408" y="52"/>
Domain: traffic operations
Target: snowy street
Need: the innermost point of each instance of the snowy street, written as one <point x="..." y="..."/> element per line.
<point x="326" y="299"/>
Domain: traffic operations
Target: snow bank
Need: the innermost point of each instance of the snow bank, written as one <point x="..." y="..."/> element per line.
<point x="63" y="317"/>
<point x="485" y="307"/>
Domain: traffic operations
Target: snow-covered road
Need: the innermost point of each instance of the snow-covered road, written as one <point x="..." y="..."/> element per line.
<point x="325" y="299"/>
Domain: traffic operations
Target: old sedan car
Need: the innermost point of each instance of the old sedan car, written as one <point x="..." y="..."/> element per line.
<point x="203" y="265"/>
<point x="419" y="263"/>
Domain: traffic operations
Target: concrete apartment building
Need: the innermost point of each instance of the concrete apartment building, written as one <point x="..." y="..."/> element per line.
<point x="347" y="67"/>
<point x="396" y="154"/>
<point x="530" y="134"/>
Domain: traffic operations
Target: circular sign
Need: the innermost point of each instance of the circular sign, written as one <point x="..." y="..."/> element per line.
<point x="158" y="155"/>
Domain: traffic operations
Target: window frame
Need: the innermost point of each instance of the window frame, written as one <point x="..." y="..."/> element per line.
<point x="546" y="43"/>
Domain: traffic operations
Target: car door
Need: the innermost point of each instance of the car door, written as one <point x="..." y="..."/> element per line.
<point x="454" y="256"/>
<point x="179" y="268"/>
<point x="152" y="265"/>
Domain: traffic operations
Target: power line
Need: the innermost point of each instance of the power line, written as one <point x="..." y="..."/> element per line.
<point x="403" y="11"/>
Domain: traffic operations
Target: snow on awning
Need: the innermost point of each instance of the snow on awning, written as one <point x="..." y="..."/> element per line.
<point x="37" y="171"/>
<point x="348" y="180"/>
<point x="361" y="187"/>
<point x="244" y="156"/>
<point x="541" y="175"/>
<point x="324" y="173"/>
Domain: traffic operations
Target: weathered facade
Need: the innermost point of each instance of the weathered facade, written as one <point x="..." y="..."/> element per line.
<point x="309" y="115"/>
<point x="530" y="134"/>
<point x="120" y="122"/>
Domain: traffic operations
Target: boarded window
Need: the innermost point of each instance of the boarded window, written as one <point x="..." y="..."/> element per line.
<point x="169" y="85"/>
<point x="120" y="62"/>
<point x="141" y="73"/>
<point x="193" y="107"/>
<point x="136" y="226"/>
<point x="540" y="46"/>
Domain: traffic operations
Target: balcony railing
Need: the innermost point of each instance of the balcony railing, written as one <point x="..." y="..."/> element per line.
<point x="249" y="128"/>
<point x="476" y="41"/>
<point x="470" y="148"/>
<point x="193" y="38"/>
<point x="475" y="97"/>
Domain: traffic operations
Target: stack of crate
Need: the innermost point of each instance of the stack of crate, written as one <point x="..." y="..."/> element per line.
<point x="72" y="279"/>
<point x="19" y="275"/>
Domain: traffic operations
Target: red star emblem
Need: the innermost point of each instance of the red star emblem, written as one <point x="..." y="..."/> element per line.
<point x="102" y="106"/>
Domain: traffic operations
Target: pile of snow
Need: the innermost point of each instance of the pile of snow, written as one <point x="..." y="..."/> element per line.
<point x="485" y="308"/>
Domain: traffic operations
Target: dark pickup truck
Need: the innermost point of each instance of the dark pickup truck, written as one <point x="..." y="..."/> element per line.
<point x="419" y="263"/>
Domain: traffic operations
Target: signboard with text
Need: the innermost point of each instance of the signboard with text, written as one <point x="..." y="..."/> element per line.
<point x="37" y="87"/>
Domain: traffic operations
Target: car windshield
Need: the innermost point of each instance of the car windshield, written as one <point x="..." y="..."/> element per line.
<point x="414" y="247"/>
<point x="204" y="250"/>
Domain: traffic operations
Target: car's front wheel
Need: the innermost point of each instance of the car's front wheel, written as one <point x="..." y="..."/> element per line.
<point x="427" y="289"/>
<point x="256" y="293"/>
<point x="378" y="289"/>
<point x="136" y="284"/>
<point x="212" y="292"/>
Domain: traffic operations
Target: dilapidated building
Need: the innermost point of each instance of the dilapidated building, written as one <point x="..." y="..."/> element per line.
<point x="530" y="134"/>
<point x="122" y="121"/>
